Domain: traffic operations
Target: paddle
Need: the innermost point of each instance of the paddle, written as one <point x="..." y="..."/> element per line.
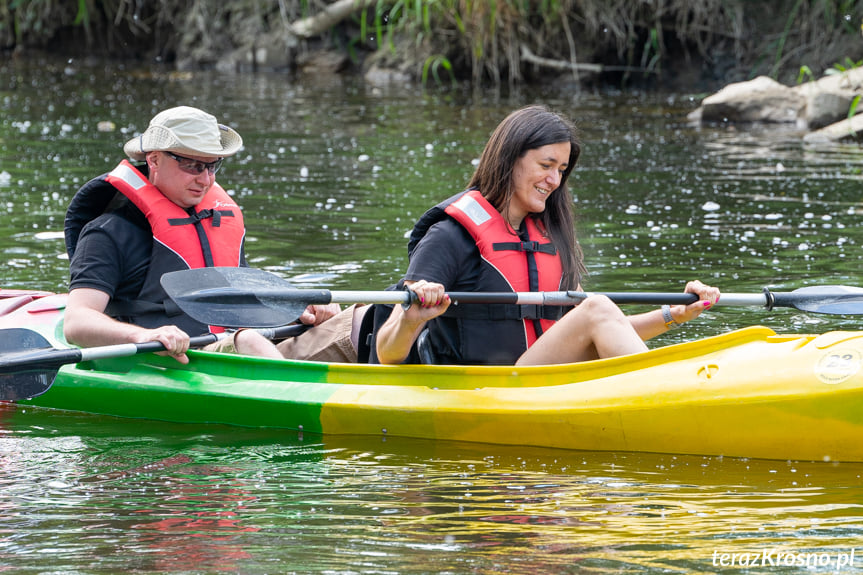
<point x="249" y="297"/>
<point x="29" y="364"/>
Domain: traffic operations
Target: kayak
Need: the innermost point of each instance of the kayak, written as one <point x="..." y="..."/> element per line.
<point x="747" y="393"/>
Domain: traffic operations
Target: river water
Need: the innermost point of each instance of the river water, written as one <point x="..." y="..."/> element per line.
<point x="332" y="176"/>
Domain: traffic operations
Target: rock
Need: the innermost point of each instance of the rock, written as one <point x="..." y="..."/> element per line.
<point x="850" y="80"/>
<point x="322" y="62"/>
<point x="822" y="105"/>
<point x="847" y="129"/>
<point x="829" y="99"/>
<point x="825" y="107"/>
<point x="381" y="76"/>
<point x="760" y="100"/>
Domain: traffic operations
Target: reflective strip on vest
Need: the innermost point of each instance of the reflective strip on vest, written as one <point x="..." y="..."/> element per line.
<point x="125" y="172"/>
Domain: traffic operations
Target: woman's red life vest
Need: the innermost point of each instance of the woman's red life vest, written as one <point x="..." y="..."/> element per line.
<point x="531" y="265"/>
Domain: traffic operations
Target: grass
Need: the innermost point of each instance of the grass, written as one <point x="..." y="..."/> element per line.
<point x="443" y="41"/>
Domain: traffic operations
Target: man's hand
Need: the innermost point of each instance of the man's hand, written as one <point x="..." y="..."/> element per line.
<point x="175" y="340"/>
<point x="317" y="314"/>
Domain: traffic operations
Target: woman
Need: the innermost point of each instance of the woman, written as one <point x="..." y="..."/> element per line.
<point x="513" y="231"/>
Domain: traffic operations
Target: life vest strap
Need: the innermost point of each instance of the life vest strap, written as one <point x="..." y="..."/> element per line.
<point x="200" y="216"/>
<point x="506" y="312"/>
<point x="525" y="246"/>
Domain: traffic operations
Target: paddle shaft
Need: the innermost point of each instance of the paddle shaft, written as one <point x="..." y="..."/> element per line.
<point x="222" y="295"/>
<point x="249" y="297"/>
<point x="53" y="358"/>
<point x="767" y="299"/>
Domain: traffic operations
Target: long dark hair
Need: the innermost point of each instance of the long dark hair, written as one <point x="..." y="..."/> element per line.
<point x="527" y="129"/>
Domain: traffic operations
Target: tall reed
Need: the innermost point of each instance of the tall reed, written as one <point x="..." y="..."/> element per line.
<point x="483" y="41"/>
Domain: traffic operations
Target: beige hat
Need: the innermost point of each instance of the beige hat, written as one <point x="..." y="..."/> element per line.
<point x="185" y="130"/>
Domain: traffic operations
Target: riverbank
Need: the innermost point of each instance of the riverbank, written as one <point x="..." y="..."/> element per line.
<point x="825" y="110"/>
<point x="690" y="46"/>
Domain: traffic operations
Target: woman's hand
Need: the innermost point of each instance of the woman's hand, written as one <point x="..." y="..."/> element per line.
<point x="707" y="297"/>
<point x="396" y="336"/>
<point x="431" y="301"/>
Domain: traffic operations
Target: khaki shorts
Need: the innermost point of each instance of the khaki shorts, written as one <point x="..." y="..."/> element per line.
<point x="224" y="345"/>
<point x="329" y="341"/>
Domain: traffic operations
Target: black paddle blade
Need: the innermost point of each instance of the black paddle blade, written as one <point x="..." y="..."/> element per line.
<point x="835" y="300"/>
<point x="235" y="297"/>
<point x="24" y="379"/>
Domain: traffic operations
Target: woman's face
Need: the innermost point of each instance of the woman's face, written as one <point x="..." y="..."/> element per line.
<point x="536" y="175"/>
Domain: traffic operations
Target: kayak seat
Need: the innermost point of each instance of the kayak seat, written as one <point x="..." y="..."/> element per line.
<point x="426" y="353"/>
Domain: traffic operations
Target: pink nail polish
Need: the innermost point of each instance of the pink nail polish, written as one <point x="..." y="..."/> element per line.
<point x="707" y="304"/>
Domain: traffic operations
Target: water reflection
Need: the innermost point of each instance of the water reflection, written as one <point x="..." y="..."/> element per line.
<point x="181" y="499"/>
<point x="198" y="524"/>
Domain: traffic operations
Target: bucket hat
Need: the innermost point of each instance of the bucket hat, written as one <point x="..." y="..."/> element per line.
<point x="185" y="130"/>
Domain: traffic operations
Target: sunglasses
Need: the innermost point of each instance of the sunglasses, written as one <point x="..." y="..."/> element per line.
<point x="196" y="167"/>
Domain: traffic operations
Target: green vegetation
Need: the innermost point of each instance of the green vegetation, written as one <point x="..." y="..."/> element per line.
<point x="484" y="41"/>
<point x="852" y="109"/>
<point x="840" y="67"/>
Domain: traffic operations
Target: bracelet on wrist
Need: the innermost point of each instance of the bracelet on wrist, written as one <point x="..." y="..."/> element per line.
<point x="668" y="319"/>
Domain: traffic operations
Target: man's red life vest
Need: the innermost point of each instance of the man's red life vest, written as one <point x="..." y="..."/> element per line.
<point x="210" y="234"/>
<point x="217" y="217"/>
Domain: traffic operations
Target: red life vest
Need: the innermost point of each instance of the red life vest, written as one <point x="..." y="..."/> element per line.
<point x="211" y="234"/>
<point x="532" y="265"/>
<point x="173" y="227"/>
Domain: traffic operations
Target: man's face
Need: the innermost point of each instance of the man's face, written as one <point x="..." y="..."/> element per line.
<point x="183" y="186"/>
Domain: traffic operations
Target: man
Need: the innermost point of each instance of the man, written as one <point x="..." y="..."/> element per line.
<point x="126" y="228"/>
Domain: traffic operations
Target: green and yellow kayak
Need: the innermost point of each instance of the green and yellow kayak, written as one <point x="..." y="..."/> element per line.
<point x="747" y="393"/>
